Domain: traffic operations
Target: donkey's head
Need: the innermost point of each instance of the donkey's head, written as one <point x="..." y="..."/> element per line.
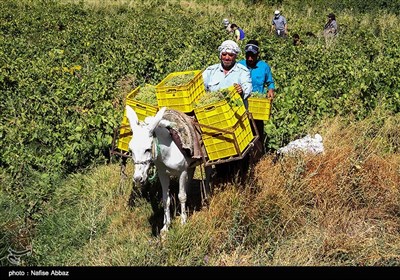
<point x="142" y="145"/>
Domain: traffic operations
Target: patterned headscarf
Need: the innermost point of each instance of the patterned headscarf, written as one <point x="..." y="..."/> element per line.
<point x="228" y="46"/>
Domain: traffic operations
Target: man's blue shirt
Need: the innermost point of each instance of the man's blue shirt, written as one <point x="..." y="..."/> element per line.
<point x="261" y="76"/>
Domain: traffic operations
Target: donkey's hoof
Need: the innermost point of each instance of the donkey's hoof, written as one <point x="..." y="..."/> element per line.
<point x="183" y="220"/>
<point x="164" y="229"/>
<point x="163" y="234"/>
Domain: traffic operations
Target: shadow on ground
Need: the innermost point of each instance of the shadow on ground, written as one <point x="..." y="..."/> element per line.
<point x="238" y="173"/>
<point x="153" y="194"/>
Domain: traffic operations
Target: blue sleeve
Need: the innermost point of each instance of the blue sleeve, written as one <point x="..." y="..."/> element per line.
<point x="268" y="78"/>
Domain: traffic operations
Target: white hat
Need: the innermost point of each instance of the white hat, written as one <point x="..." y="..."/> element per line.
<point x="229" y="46"/>
<point x="277" y="12"/>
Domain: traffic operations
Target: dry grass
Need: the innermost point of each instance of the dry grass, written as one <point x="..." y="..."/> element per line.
<point x="346" y="200"/>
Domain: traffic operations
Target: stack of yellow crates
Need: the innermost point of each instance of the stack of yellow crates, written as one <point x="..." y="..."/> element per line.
<point x="182" y="97"/>
<point x="178" y="90"/>
<point x="142" y="110"/>
<point x="225" y="126"/>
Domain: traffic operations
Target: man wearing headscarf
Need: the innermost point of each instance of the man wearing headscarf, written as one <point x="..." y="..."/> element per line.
<point x="223" y="75"/>
<point x="228" y="72"/>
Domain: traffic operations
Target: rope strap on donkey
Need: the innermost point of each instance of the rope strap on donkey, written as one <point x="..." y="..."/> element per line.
<point x="156" y="150"/>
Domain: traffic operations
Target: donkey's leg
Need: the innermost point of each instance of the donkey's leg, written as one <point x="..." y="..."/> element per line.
<point x="165" y="181"/>
<point x="208" y="171"/>
<point x="190" y="175"/>
<point x="184" y="180"/>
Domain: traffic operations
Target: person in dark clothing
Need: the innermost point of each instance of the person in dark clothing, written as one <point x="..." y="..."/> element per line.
<point x="310" y="34"/>
<point x="296" y="40"/>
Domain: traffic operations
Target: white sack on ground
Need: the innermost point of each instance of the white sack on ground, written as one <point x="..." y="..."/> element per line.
<point x="306" y="144"/>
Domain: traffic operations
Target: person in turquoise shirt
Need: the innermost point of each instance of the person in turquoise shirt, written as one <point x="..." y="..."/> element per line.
<point x="228" y="72"/>
<point x="260" y="71"/>
<point x="261" y="79"/>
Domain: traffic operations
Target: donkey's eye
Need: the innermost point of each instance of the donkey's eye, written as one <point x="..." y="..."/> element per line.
<point x="147" y="151"/>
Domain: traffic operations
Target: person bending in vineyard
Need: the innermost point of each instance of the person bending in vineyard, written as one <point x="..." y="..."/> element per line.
<point x="228" y="72"/>
<point x="238" y="33"/>
<point x="261" y="79"/>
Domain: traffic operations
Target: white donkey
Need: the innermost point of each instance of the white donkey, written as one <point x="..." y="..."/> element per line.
<point x="152" y="143"/>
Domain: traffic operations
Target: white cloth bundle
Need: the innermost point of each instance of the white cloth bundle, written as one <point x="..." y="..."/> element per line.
<point x="306" y="144"/>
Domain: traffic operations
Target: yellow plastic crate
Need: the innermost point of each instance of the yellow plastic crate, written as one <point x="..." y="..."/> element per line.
<point x="260" y="108"/>
<point x="221" y="145"/>
<point x="125" y="136"/>
<point x="182" y="97"/>
<point x="221" y="114"/>
<point x="142" y="110"/>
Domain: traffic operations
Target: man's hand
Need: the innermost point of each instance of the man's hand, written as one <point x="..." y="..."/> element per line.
<point x="271" y="94"/>
<point x="238" y="88"/>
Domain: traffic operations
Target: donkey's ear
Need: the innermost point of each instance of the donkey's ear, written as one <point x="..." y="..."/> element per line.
<point x="157" y="118"/>
<point x="132" y="117"/>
